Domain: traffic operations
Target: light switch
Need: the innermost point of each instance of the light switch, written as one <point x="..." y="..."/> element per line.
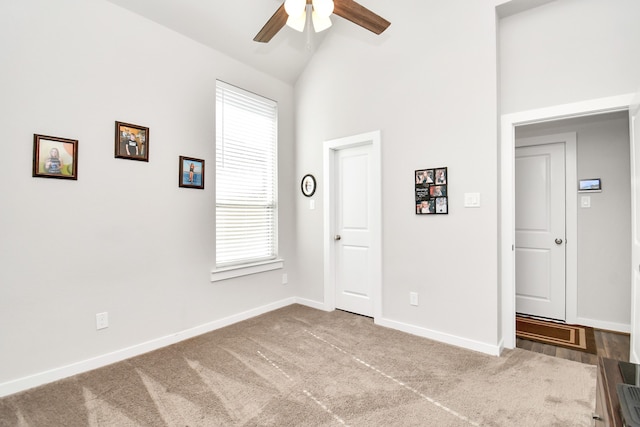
<point x="312" y="204"/>
<point x="585" y="202"/>
<point x="471" y="200"/>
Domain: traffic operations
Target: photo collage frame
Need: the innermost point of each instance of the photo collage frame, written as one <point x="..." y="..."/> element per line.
<point x="431" y="191"/>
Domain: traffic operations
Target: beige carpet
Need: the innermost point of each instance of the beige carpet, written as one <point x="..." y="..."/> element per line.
<point x="302" y="367"/>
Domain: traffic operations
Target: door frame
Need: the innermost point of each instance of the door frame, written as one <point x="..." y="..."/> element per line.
<point x="330" y="148"/>
<point x="570" y="213"/>
<point x="507" y="196"/>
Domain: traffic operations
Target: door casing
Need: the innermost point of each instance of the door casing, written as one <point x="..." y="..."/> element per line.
<point x="634" y="134"/>
<point x="507" y="197"/>
<point x="330" y="200"/>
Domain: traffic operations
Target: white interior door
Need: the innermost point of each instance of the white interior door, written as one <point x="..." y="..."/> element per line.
<point x="354" y="204"/>
<point x="634" y="124"/>
<point x="540" y="230"/>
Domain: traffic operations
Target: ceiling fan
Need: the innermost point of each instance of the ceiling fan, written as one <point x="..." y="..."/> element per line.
<point x="294" y="14"/>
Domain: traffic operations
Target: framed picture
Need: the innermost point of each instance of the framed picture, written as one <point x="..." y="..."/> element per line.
<point x="431" y="191"/>
<point x="132" y="142"/>
<point x="191" y="172"/>
<point x="55" y="157"/>
<point x="308" y="185"/>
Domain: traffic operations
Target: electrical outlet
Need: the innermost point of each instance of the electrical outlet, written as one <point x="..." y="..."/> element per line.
<point x="285" y="279"/>
<point x="413" y="298"/>
<point x="102" y="320"/>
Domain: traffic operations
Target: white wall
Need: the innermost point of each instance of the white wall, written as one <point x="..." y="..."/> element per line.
<point x="123" y="238"/>
<point x="604" y="229"/>
<point x="429" y="84"/>
<point x="568" y="51"/>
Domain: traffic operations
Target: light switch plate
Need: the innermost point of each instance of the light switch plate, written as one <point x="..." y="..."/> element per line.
<point x="585" y="202"/>
<point x="471" y="200"/>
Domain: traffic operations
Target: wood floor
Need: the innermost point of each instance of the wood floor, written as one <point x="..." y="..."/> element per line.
<point x="612" y="345"/>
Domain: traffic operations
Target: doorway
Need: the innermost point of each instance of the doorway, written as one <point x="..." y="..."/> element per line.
<point x="507" y="193"/>
<point x="352" y="224"/>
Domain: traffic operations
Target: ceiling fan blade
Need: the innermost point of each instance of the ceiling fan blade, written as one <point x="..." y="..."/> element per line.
<point x="360" y="15"/>
<point x="273" y="25"/>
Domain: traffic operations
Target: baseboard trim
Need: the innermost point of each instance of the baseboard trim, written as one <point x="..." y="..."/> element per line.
<point x="25" y="383"/>
<point x="493" y="350"/>
<point x="313" y="304"/>
<point x="608" y="326"/>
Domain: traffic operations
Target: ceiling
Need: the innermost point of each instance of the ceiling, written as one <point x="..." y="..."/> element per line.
<point x="229" y="27"/>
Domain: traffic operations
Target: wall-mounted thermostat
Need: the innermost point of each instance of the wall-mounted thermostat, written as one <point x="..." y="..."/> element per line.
<point x="590" y="185"/>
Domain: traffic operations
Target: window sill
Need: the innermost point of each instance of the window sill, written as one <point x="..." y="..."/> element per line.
<point x="225" y="273"/>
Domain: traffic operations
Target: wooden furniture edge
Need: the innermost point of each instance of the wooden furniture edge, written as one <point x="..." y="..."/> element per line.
<point x="609" y="373"/>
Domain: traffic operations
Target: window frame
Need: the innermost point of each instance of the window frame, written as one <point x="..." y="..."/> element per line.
<point x="227" y="270"/>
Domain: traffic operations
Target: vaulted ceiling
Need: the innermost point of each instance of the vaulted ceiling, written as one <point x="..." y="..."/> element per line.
<point x="229" y="27"/>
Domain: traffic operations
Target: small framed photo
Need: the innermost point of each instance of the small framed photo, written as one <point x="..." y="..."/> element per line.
<point x="424" y="177"/>
<point x="191" y="172"/>
<point x="438" y="190"/>
<point x="132" y="142"/>
<point x="55" y="157"/>
<point x="441" y="176"/>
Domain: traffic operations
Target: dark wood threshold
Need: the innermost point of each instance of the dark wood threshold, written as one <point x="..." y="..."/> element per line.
<point x="611" y="345"/>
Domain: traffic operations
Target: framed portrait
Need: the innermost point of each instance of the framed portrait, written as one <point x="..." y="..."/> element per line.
<point x="191" y="172"/>
<point x="132" y="142"/>
<point x="55" y="157"/>
<point x="431" y="191"/>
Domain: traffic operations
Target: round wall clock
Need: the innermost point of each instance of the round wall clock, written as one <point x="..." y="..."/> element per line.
<point x="308" y="185"/>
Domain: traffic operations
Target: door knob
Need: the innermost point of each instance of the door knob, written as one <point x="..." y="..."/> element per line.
<point x="338" y="237"/>
<point x="558" y="241"/>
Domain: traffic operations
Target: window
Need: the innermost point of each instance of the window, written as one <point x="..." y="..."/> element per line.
<point x="246" y="177"/>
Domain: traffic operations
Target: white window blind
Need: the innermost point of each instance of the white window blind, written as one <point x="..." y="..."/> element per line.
<point x="246" y="183"/>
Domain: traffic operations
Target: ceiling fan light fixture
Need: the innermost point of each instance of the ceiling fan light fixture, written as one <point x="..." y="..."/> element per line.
<point x="297" y="23"/>
<point x="296" y="13"/>
<point x="295" y="8"/>
<point x="323" y="8"/>
<point x="320" y="23"/>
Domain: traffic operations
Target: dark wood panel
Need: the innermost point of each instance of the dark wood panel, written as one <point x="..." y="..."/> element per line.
<point x="607" y="404"/>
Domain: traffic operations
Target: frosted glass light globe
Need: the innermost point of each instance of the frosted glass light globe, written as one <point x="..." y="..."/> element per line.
<point x="320" y="23"/>
<point x="323" y="8"/>
<point x="295" y="8"/>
